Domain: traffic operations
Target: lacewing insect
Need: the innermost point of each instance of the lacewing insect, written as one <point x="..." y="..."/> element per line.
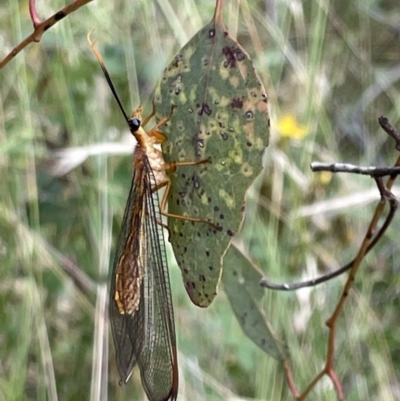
<point x="140" y="309"/>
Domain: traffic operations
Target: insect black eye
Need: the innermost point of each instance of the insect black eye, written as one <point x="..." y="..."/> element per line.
<point x="134" y="124"/>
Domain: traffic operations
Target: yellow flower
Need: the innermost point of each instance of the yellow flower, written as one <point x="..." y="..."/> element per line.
<point x="325" y="177"/>
<point x="289" y="127"/>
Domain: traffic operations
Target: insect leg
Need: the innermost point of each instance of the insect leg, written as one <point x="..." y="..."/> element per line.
<point x="163" y="204"/>
<point x="162" y="121"/>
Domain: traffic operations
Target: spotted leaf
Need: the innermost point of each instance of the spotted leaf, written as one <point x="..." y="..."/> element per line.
<point x="221" y="113"/>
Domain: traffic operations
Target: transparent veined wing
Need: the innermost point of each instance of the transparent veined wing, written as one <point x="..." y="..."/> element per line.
<point x="141" y="310"/>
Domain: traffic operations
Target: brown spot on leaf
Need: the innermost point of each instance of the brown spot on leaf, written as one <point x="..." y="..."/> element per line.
<point x="237" y="103"/>
<point x="224" y="136"/>
<point x="229" y="56"/>
<point x="205" y="108"/>
<point x="232" y="54"/>
<point x="177" y="60"/>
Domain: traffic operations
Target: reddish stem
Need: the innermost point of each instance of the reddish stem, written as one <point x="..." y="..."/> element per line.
<point x="290" y="379"/>
<point x="32" y="11"/>
<point x="218" y="12"/>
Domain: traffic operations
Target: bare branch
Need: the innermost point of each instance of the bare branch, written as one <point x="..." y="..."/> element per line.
<point x="264" y="282"/>
<point x="353" y="169"/>
<point x="390" y="130"/>
<point x="41" y="27"/>
<point x="386" y="196"/>
<point x="370" y="240"/>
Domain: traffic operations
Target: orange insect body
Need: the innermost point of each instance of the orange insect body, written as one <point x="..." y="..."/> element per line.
<point x="127" y="292"/>
<point x="146" y="142"/>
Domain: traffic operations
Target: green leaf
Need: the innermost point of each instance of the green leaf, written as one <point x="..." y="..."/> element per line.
<point x="241" y="282"/>
<point x="222" y="113"/>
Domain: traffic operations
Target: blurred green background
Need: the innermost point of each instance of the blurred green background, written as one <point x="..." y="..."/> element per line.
<point x="330" y="70"/>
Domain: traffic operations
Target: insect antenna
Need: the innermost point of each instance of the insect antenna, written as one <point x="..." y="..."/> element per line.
<point x="133" y="123"/>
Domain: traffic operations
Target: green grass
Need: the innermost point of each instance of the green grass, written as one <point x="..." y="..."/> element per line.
<point x="333" y="66"/>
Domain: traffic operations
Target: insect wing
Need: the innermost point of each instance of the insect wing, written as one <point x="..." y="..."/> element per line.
<point x="146" y="336"/>
<point x="158" y="358"/>
<point x="125" y="327"/>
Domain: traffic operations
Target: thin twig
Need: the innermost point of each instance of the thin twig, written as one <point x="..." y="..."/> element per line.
<point x="218" y="12"/>
<point x="329" y="370"/>
<point x="310" y="386"/>
<point x="41" y="27"/>
<point x="332" y="321"/>
<point x="351" y="168"/>
<point x="390" y="130"/>
<point x="368" y="243"/>
<point x="264" y="282"/>
<point x="290" y="379"/>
